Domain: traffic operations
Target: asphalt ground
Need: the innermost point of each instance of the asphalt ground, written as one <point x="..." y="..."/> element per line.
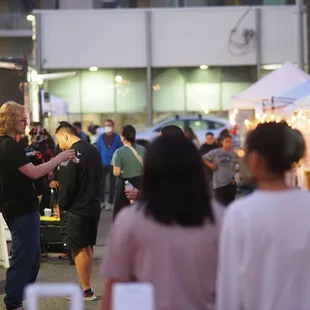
<point x="54" y="270"/>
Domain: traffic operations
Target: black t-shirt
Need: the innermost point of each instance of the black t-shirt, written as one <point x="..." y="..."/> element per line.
<point x="206" y="148"/>
<point x="17" y="192"/>
<point x="37" y="155"/>
<point x="79" y="183"/>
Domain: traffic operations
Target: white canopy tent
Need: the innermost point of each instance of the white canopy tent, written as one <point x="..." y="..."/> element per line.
<point x="303" y="104"/>
<point x="274" y="84"/>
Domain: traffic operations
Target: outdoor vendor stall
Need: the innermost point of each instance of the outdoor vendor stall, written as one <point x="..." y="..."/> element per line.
<point x="283" y="95"/>
<point x="261" y="96"/>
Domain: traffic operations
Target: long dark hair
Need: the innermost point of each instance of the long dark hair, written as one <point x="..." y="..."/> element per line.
<point x="50" y="143"/>
<point x="278" y="144"/>
<point x="129" y="133"/>
<point x="189" y="133"/>
<point x="173" y="184"/>
<point x="172" y="131"/>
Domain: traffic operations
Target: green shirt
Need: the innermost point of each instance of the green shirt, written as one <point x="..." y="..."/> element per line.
<point x="125" y="159"/>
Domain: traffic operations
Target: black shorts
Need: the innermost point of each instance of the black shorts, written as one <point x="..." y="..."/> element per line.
<point x="226" y="194"/>
<point x="79" y="231"/>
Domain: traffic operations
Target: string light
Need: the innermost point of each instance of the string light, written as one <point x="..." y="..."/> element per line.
<point x="232" y="117"/>
<point x="247" y="122"/>
<point x="299" y="118"/>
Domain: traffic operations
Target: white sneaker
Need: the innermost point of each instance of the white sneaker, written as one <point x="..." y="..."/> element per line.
<point x="88" y="295"/>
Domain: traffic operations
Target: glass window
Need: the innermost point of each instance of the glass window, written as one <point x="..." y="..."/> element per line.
<point x="198" y="90"/>
<point x="203" y="97"/>
<point x="97" y="93"/>
<point x="130" y="90"/>
<point x="67" y="89"/>
<point x="215" y="125"/>
<point x="197" y="125"/>
<point x="103" y="91"/>
<point x="168" y="90"/>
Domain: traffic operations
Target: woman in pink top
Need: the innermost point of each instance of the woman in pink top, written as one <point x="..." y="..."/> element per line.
<point x="170" y="239"/>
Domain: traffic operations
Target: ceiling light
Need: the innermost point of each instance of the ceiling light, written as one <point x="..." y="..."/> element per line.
<point x="40" y="80"/>
<point x="118" y="79"/>
<point x="93" y="69"/>
<point x="204" y="67"/>
<point x="30" y="17"/>
<point x="271" y="67"/>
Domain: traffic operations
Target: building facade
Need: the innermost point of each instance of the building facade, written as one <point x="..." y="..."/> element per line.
<point x="143" y="64"/>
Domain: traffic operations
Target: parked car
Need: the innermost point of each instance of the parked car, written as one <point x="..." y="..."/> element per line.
<point x="200" y="125"/>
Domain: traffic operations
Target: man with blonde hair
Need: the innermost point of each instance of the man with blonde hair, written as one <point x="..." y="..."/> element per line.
<point x="18" y="202"/>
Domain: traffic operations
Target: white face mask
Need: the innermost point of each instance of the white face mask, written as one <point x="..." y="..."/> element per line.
<point x="108" y="129"/>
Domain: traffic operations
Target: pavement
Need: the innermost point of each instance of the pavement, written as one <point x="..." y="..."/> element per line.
<point x="54" y="270"/>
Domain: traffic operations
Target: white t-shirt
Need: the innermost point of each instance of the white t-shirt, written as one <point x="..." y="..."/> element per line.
<point x="265" y="252"/>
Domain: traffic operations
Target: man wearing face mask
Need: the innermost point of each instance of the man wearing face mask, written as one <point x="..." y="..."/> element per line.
<point x="107" y="144"/>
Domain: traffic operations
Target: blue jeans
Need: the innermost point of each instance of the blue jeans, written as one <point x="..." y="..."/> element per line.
<point x="26" y="257"/>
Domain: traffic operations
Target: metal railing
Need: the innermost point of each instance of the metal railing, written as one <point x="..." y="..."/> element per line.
<point x="14" y="21"/>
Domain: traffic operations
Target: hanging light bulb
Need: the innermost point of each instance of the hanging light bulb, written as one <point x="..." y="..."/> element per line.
<point x="300" y="113"/>
<point x="233" y="122"/>
<point x="247" y="122"/>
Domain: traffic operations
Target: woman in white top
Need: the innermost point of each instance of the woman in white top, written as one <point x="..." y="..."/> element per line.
<point x="265" y="242"/>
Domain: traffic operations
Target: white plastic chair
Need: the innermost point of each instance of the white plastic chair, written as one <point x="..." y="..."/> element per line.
<point x="4" y="254"/>
<point x="34" y="291"/>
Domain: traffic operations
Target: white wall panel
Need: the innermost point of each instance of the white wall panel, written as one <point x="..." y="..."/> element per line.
<point x="81" y="39"/>
<point x="203" y="97"/>
<point x="197" y="36"/>
<point x="180" y="37"/>
<point x="98" y="91"/>
<point x="279" y="35"/>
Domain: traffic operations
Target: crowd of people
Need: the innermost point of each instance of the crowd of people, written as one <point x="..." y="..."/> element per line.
<point x="178" y="225"/>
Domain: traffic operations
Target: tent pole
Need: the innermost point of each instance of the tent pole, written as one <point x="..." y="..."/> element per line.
<point x="308" y="35"/>
<point x="148" y="49"/>
<point x="300" y="34"/>
<point x="258" y="43"/>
